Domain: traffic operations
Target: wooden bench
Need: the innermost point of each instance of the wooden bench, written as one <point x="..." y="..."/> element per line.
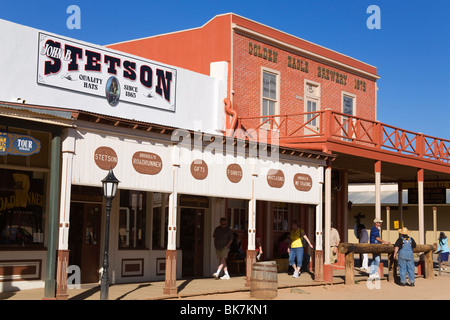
<point x="349" y="249"/>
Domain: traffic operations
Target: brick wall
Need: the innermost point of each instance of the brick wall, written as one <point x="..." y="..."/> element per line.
<point x="247" y="77"/>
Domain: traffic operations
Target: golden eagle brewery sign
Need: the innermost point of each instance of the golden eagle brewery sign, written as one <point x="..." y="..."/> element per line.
<point x="74" y="66"/>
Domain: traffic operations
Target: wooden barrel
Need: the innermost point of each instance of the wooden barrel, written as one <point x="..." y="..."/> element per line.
<point x="264" y="280"/>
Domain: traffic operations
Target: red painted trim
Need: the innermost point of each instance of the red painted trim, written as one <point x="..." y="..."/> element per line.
<point x="378" y="166"/>
<point x="328" y="273"/>
<point x="420" y="175"/>
<point x="231" y="113"/>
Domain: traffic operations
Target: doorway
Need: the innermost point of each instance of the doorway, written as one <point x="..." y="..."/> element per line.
<point x="84" y="239"/>
<point x="191" y="241"/>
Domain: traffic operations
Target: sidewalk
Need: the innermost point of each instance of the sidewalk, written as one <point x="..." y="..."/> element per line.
<point x="186" y="288"/>
<point x="190" y="287"/>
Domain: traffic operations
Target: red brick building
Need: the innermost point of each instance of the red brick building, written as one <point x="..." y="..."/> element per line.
<point x="311" y="97"/>
<point x="252" y="50"/>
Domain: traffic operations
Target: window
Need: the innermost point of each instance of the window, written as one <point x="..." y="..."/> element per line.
<point x="280" y="216"/>
<point x="312" y="104"/>
<point x="348" y="107"/>
<point x="132" y="217"/>
<point x="237" y="218"/>
<point x="160" y="220"/>
<point x="22" y="202"/>
<point x="269" y="94"/>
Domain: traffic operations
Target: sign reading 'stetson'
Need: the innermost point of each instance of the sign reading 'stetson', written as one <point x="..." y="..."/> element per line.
<point x="116" y="77"/>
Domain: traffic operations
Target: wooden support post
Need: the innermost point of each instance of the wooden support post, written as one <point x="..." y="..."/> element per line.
<point x="381" y="269"/>
<point x="170" y="285"/>
<point x="349" y="269"/>
<point x="250" y="259"/>
<point x="392" y="275"/>
<point x="318" y="265"/>
<point x="429" y="272"/>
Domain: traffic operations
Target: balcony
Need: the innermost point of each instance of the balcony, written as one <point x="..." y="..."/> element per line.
<point x="331" y="131"/>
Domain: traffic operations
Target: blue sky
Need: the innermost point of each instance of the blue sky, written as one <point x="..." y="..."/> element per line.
<point x="411" y="50"/>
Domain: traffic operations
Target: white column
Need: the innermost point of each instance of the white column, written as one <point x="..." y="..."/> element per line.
<point x="400" y="202"/>
<point x="327" y="214"/>
<point x="435" y="235"/>
<point x="388" y="223"/>
<point x="252" y="217"/>
<point x="344" y="175"/>
<point x="173" y="202"/>
<point x="378" y="189"/>
<point x="319" y="215"/>
<point x="421" y="206"/>
<point x="67" y="150"/>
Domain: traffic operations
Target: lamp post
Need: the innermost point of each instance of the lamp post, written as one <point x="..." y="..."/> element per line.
<point x="110" y="184"/>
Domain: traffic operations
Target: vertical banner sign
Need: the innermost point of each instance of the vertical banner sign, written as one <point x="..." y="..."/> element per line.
<point x="116" y="77"/>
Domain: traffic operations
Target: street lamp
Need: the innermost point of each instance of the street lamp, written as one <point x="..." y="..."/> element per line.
<point x="110" y="183"/>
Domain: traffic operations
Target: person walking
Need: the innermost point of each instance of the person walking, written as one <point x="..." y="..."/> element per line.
<point x="444" y="250"/>
<point x="364" y="238"/>
<point x="403" y="252"/>
<point x="223" y="237"/>
<point x="375" y="238"/>
<point x="296" y="249"/>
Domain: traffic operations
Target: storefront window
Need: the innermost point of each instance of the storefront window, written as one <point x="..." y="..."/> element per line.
<point x="160" y="220"/>
<point x="237" y="218"/>
<point x="22" y="203"/>
<point x="280" y="216"/>
<point x="237" y="215"/>
<point x="132" y="217"/>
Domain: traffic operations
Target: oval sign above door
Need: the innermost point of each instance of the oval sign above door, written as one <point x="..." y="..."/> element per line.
<point x="105" y="158"/>
<point x="147" y="163"/>
<point x="302" y="182"/>
<point x="275" y="178"/>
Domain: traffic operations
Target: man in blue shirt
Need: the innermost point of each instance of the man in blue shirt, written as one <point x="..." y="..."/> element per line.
<point x="375" y="237"/>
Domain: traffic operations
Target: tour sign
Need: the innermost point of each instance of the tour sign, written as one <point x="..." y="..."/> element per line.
<point x="18" y="144"/>
<point x="116" y="77"/>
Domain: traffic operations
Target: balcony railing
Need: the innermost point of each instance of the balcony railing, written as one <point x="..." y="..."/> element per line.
<point x="326" y="125"/>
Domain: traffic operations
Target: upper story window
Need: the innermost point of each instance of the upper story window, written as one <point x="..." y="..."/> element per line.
<point x="348" y="104"/>
<point x="312" y="103"/>
<point x="270" y="93"/>
<point x="348" y="107"/>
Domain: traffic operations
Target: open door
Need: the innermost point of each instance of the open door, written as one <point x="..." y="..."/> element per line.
<point x="84" y="240"/>
<point x="191" y="241"/>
